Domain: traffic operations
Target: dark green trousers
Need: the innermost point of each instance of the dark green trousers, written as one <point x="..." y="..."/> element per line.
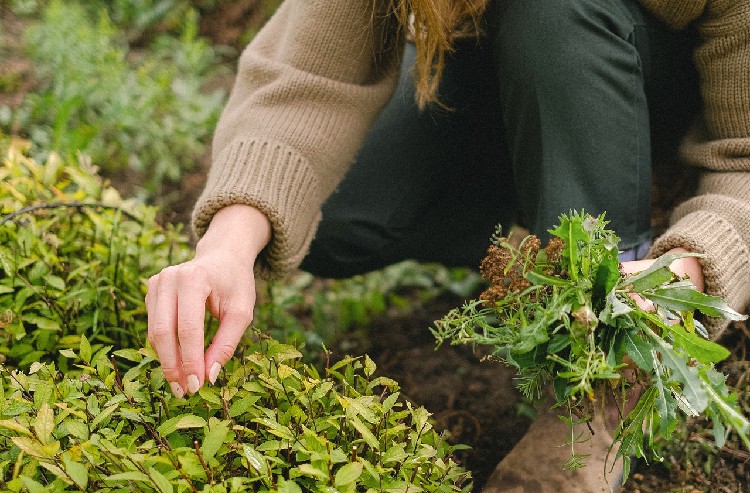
<point x="559" y="106"/>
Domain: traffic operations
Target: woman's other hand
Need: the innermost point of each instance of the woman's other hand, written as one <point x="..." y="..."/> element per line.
<point x="220" y="277"/>
<point x="684" y="267"/>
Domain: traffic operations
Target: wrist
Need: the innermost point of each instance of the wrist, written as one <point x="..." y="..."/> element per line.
<point x="243" y="229"/>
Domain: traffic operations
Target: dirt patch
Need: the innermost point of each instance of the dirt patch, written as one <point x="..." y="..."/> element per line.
<point x="475" y="401"/>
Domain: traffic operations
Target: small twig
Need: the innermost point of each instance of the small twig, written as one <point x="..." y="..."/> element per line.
<point x="209" y="476"/>
<point x="57" y="205"/>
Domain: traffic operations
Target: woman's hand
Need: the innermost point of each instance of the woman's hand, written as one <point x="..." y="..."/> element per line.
<point x="683" y="267"/>
<point x="219" y="278"/>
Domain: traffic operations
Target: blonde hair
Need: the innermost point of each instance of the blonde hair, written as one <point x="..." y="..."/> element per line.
<point x="435" y="25"/>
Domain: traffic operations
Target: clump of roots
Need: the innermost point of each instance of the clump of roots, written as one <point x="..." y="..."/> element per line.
<point x="505" y="266"/>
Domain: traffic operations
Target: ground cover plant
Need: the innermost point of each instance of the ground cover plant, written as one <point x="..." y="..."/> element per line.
<point x="83" y="409"/>
<point x="73" y="256"/>
<point x="273" y="424"/>
<point x="565" y="315"/>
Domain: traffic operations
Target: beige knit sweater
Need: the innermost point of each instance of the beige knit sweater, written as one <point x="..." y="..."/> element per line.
<point x="313" y="80"/>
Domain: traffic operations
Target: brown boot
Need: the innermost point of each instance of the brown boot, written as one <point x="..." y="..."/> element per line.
<point x="535" y="465"/>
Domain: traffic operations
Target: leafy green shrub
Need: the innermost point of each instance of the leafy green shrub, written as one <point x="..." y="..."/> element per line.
<point x="145" y="111"/>
<point x="73" y="258"/>
<point x="564" y="314"/>
<point x="273" y="424"/>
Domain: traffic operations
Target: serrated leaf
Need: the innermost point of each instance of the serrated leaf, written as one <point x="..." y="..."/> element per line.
<point x="571" y="231"/>
<point x="639" y="351"/>
<point x="181" y="422"/>
<point x="348" y="474"/>
<point x="44" y="424"/>
<point x="370" y="366"/>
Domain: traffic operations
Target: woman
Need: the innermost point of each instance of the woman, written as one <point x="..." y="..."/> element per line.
<point x="524" y="109"/>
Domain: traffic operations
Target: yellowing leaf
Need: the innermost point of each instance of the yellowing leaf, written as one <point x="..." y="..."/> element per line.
<point x="31" y="446"/>
<point x="44" y="424"/>
<point x="15" y="426"/>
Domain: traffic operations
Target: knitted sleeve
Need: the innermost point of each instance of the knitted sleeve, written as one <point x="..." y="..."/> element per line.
<point x="308" y="87"/>
<point x="716" y="221"/>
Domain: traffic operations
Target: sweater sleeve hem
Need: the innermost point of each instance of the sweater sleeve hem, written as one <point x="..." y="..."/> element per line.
<point x="275" y="179"/>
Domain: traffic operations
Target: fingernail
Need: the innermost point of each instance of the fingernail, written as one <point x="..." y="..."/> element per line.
<point x="193" y="384"/>
<point x="177" y="389"/>
<point x="214" y="372"/>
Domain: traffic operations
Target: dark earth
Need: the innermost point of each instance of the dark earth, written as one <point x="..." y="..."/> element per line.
<point x="475" y="401"/>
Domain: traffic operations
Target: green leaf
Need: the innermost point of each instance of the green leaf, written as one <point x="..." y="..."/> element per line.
<point x="312" y="471"/>
<point x="630" y="434"/>
<point x="77" y="472"/>
<point x="84" y="351"/>
<point x="214" y="439"/>
<point x="697" y="347"/>
<point x="571" y="231"/>
<point x="692" y="386"/>
<point x="683" y="297"/>
<point x="32" y="485"/>
<point x="639" y="351"/>
<point x="348" y="474"/>
<point x="540" y="279"/>
<point x="160" y="481"/>
<point x="656" y="274"/>
<point x="128" y="476"/>
<point x="363" y="430"/>
<point x="181" y="422"/>
<point x="256" y="461"/>
<point x="288" y="486"/>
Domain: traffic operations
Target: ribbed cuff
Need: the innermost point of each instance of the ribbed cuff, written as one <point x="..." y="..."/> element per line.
<point x="276" y="180"/>
<point x="726" y="267"/>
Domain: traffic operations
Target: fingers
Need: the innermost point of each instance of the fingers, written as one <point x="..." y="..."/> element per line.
<point x="176" y="303"/>
<point x="233" y="325"/>
<point x="191" y="309"/>
<point x="162" y="320"/>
